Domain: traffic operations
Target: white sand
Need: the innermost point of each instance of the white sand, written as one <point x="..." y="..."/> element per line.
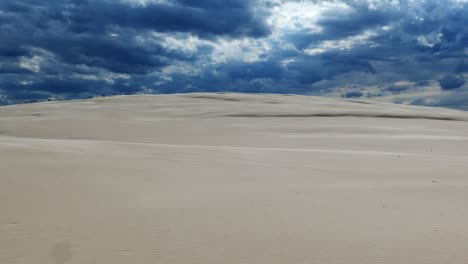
<point x="232" y="178"/>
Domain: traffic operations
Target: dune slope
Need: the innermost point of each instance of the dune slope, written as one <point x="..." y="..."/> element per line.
<point x="232" y="178"/>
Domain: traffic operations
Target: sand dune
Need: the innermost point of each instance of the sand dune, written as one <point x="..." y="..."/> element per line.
<point x="232" y="178"/>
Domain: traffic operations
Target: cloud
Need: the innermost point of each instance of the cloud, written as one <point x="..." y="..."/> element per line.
<point x="347" y="48"/>
<point x="353" y="94"/>
<point x="203" y="17"/>
<point x="451" y="82"/>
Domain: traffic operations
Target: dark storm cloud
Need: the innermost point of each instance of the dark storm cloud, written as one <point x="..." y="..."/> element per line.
<point x="79" y="31"/>
<point x="204" y="20"/>
<point x="204" y="17"/>
<point x="80" y="48"/>
<point x="425" y="41"/>
<point x="451" y="82"/>
<point x="46" y="42"/>
<point x="8" y="50"/>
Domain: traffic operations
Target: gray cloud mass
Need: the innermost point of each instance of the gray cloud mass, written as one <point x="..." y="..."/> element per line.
<point x="413" y="52"/>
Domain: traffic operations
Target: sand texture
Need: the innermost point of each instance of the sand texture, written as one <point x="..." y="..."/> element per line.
<point x="232" y="178"/>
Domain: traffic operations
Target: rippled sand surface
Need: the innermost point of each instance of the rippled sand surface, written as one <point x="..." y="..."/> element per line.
<point x="232" y="178"/>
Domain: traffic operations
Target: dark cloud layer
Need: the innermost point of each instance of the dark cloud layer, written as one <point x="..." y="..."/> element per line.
<point x="357" y="48"/>
<point x="451" y="82"/>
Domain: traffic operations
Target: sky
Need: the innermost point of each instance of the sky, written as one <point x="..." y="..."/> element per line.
<point x="406" y="51"/>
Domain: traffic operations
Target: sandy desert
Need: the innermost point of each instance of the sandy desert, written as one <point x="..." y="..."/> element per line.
<point x="232" y="178"/>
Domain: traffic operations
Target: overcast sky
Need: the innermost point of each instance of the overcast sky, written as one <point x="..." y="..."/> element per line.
<point x="401" y="51"/>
